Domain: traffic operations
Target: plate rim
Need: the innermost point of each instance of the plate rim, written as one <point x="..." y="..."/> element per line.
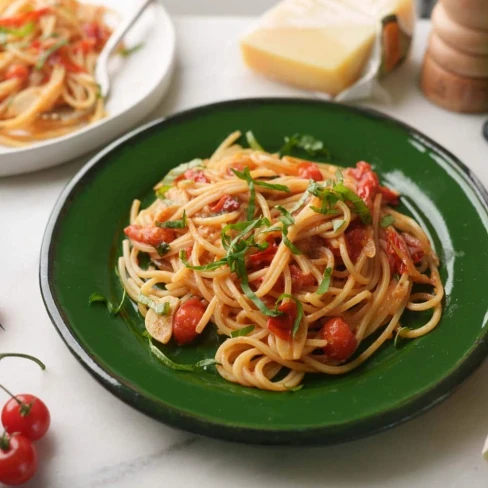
<point x="146" y="105"/>
<point x="195" y="423"/>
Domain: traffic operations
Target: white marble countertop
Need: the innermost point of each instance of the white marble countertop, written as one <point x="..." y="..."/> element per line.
<point x="97" y="441"/>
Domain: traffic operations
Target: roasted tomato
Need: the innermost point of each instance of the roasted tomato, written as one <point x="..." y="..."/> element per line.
<point x="192" y="174"/>
<point x="226" y="204"/>
<point x="341" y="342"/>
<point x="152" y="236"/>
<point x="263" y="258"/>
<point x="414" y="247"/>
<point x="17" y="71"/>
<point x="311" y="171"/>
<point x="282" y="326"/>
<point x="186" y="320"/>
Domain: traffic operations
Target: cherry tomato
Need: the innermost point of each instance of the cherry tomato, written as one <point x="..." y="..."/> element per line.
<point x="98" y="32"/>
<point x="389" y="196"/>
<point x="414" y="247"/>
<point x="186" y="319"/>
<point x="300" y="279"/>
<point x="31" y="418"/>
<point x="263" y="258"/>
<point x="18" y="460"/>
<point x="85" y="45"/>
<point x="18" y="71"/>
<point x="153" y="236"/>
<point x="356" y="239"/>
<point x="192" y="174"/>
<point x="341" y="342"/>
<point x="311" y="171"/>
<point x="22" y="19"/>
<point x="226" y="204"/>
<point x="282" y="326"/>
<point x="397" y="252"/>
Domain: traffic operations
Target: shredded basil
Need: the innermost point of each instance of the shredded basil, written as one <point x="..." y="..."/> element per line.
<point x="324" y="285"/>
<point x="287" y="220"/>
<point x="271" y="186"/>
<point x="242" y="332"/>
<point x="296" y="324"/>
<point x="252" y="141"/>
<point x="387" y="220"/>
<point x="338" y="224"/>
<point x="130" y="50"/>
<point x="312" y="146"/>
<point x="163" y="248"/>
<point x="174" y="224"/>
<point x="193" y="368"/>
<point x="159" y="308"/>
<point x="112" y="309"/>
<point x="23" y="31"/>
<point x="45" y="55"/>
<point x="162" y="190"/>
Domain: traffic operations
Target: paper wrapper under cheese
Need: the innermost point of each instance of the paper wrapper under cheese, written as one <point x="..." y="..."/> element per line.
<point x="338" y="48"/>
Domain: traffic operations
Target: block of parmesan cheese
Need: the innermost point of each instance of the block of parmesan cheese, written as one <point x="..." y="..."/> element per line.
<point x="325" y="45"/>
<point x="316" y="45"/>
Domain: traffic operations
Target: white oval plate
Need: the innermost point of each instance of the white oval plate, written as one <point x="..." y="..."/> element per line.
<point x="138" y="84"/>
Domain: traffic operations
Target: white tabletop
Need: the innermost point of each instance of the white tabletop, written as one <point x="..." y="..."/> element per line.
<point x="97" y="441"/>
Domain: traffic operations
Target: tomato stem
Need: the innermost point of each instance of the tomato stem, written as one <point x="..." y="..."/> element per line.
<point x="4" y="441"/>
<point x="12" y="395"/>
<point x="25" y="356"/>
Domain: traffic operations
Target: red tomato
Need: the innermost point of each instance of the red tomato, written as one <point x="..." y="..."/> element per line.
<point x="226" y="204"/>
<point x="98" y="32"/>
<point x="22" y="19"/>
<point x="31" y="418"/>
<point x="188" y="251"/>
<point x="341" y="342"/>
<point x="192" y="174"/>
<point x="263" y="258"/>
<point x="85" y="45"/>
<point x="18" y="71"/>
<point x="397" y="251"/>
<point x="414" y="247"/>
<point x="18" y="460"/>
<point x="68" y="64"/>
<point x="311" y="171"/>
<point x="186" y="319"/>
<point x="368" y="184"/>
<point x="356" y="239"/>
<point x="282" y="326"/>
<point x="300" y="279"/>
<point x="153" y="236"/>
<point x="237" y="166"/>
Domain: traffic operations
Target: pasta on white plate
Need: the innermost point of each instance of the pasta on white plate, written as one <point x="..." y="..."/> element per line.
<point x="296" y="263"/>
<point x="48" y="53"/>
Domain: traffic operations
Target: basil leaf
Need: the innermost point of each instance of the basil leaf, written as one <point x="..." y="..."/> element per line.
<point x="204" y="267"/>
<point x="193" y="368"/>
<point x="358" y="203"/>
<point x="271" y="186"/>
<point x="112" y="309"/>
<point x="324" y="285"/>
<point x="339" y="176"/>
<point x="308" y="143"/>
<point x="252" y="141"/>
<point x="159" y="308"/>
<point x="287" y="220"/>
<point x="242" y="332"/>
<point x="246" y="176"/>
<point x="296" y="324"/>
<point x="130" y="50"/>
<point x="180" y="169"/>
<point x="163" y="248"/>
<point x="161" y="191"/>
<point x="45" y="55"/>
<point x="387" y="220"/>
<point x="300" y="202"/>
<point x="338" y="224"/>
<point x="174" y="224"/>
<point x="23" y="31"/>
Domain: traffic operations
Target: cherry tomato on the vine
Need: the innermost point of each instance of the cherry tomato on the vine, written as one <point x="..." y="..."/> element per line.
<point x="30" y="418"/>
<point x="18" y="459"/>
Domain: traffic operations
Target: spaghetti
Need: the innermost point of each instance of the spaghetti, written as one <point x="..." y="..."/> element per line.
<point x="48" y="53"/>
<point x="294" y="262"/>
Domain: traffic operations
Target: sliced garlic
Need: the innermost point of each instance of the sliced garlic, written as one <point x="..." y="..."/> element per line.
<point x="160" y="327"/>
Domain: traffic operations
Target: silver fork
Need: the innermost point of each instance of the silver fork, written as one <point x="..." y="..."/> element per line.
<point x="101" y="69"/>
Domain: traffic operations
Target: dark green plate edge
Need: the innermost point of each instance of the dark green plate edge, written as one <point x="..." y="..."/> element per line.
<point x="158" y="410"/>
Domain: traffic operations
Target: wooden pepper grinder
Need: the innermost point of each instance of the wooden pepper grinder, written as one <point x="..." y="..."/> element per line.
<point x="455" y="69"/>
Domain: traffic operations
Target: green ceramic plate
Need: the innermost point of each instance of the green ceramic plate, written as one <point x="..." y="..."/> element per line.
<point x="85" y="231"/>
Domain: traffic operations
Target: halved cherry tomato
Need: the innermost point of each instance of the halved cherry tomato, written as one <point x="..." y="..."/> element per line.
<point x="85" y="45"/>
<point x="22" y="19"/>
<point x="311" y="171"/>
<point x="368" y="184"/>
<point x="192" y="174"/>
<point x="414" y="247"/>
<point x="226" y="204"/>
<point x="299" y="280"/>
<point x="356" y="239"/>
<point x="341" y="342"/>
<point x="18" y="459"/>
<point x="282" y="326"/>
<point x="97" y="32"/>
<point x="263" y="258"/>
<point x="30" y="418"/>
<point x="397" y="252"/>
<point x="18" y="71"/>
<point x="186" y="319"/>
<point x="153" y="236"/>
